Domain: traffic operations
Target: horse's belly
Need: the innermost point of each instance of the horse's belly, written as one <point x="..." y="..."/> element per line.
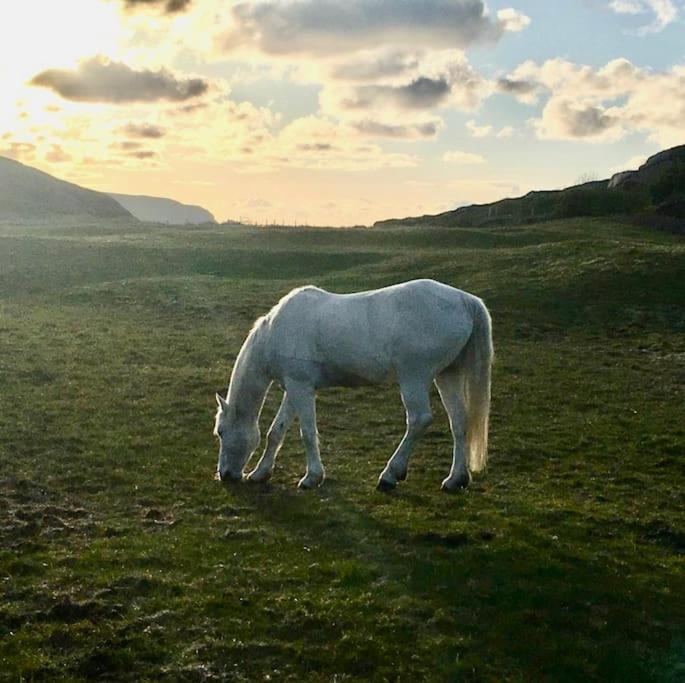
<point x="335" y="376"/>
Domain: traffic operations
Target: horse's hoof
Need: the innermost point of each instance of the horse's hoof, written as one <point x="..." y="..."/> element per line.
<point x="402" y="476"/>
<point x="385" y="485"/>
<point x="456" y="485"/>
<point x="254" y="478"/>
<point x="308" y="482"/>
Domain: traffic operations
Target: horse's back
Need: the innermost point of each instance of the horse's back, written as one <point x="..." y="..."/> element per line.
<point x="369" y="335"/>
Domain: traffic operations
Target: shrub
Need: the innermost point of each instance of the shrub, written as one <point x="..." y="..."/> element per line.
<point x="600" y="202"/>
<point x="671" y="184"/>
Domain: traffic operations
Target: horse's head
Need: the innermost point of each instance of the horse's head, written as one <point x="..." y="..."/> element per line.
<point x="237" y="440"/>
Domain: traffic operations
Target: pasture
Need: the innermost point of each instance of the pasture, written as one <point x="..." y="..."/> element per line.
<point x="122" y="558"/>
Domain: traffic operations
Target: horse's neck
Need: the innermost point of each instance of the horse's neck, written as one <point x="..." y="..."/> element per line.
<point x="249" y="380"/>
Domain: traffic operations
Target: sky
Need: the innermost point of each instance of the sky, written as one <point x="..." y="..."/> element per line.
<point x="322" y="112"/>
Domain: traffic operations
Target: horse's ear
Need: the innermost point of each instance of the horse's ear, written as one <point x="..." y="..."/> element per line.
<point x="221" y="402"/>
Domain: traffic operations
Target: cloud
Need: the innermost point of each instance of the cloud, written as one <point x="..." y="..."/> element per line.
<point x="377" y="67"/>
<point x="328" y="27"/>
<point x="258" y="204"/>
<point x="100" y="80"/>
<point x="437" y="81"/>
<point x="479" y="131"/>
<point x="317" y="142"/>
<point x="408" y="131"/>
<point x="144" y="130"/>
<point x="665" y="12"/>
<point x="562" y="119"/>
<point x="17" y="150"/>
<point x="487" y="130"/>
<point x="457" y="157"/>
<point x="142" y="154"/>
<point x="169" y="6"/>
<point x="422" y="93"/>
<point x="56" y="155"/>
<point x="523" y="90"/>
<point x="627" y="6"/>
<point x="605" y="104"/>
<point x="126" y="145"/>
<point x="511" y="20"/>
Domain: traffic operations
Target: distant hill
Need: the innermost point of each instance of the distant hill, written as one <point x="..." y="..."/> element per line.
<point x="160" y="210"/>
<point x="27" y="194"/>
<point x="657" y="187"/>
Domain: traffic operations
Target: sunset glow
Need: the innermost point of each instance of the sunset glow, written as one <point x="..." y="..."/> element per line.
<point x="317" y="112"/>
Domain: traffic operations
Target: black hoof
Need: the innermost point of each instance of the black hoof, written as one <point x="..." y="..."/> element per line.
<point x="257" y="482"/>
<point x="455" y="487"/>
<point x="385" y="486"/>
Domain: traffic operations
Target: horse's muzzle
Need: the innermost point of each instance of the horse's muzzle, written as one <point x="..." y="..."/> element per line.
<point x="228" y="475"/>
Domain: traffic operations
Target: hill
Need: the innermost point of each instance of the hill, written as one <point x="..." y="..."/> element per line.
<point x="30" y="195"/>
<point x="162" y="210"/>
<point x="657" y="187"/>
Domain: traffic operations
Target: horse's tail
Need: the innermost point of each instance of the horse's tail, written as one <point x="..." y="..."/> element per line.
<point x="475" y="364"/>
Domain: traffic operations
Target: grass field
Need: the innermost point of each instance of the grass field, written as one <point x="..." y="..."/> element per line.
<point x="121" y="558"/>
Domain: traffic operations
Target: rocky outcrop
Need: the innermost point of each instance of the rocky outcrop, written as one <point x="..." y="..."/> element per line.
<point x="652" y="170"/>
<point x="622" y="178"/>
<point x="656" y="188"/>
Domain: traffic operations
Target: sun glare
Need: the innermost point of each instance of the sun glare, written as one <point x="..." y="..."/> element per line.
<point x="37" y="35"/>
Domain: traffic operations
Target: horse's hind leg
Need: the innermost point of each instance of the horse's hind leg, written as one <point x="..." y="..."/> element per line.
<point x="450" y="390"/>
<point x="416" y="401"/>
<point x="274" y="441"/>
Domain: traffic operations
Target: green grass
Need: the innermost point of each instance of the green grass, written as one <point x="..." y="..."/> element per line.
<point x="121" y="558"/>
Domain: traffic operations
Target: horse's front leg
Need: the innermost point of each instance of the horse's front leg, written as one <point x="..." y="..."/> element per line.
<point x="274" y="441"/>
<point x="303" y="398"/>
<point x="416" y="401"/>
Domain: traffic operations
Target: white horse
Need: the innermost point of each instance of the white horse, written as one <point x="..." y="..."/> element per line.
<point x="416" y="333"/>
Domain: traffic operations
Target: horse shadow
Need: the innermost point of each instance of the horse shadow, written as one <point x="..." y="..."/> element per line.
<point x="471" y="580"/>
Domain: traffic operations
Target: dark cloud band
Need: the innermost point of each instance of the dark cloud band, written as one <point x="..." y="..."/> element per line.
<point x="322" y="27"/>
<point x="375" y="129"/>
<point x="516" y="87"/>
<point x="423" y="93"/>
<point x="169" y="6"/>
<point x="99" y="80"/>
<point x="144" y="130"/>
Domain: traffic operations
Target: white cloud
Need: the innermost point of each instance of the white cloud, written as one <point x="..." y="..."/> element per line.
<point x="404" y="91"/>
<point x="627" y="6"/>
<point x="457" y="157"/>
<point x="665" y="12"/>
<point x="605" y="104"/>
<point x="318" y="142"/>
<point x="512" y="20"/>
<point x="479" y="131"/>
<point x="567" y="120"/>
<point x="438" y="81"/>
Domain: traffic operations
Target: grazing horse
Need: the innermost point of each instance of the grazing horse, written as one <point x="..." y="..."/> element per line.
<point x="415" y="333"/>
